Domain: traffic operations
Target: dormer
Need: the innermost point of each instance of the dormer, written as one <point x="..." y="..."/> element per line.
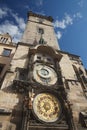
<point x="5" y="38"/>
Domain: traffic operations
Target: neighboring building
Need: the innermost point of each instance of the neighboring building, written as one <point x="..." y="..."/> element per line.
<point x="45" y="88"/>
<point x="7" y="50"/>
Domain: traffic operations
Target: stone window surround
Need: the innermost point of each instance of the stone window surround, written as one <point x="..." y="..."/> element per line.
<point x="6" y="52"/>
<point x="40" y="30"/>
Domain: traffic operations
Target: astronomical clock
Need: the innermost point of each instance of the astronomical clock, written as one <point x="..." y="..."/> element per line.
<point x="47" y="107"/>
<point x="47" y="89"/>
<point x="45" y="75"/>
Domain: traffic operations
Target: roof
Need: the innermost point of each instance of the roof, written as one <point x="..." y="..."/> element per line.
<point x="49" y="18"/>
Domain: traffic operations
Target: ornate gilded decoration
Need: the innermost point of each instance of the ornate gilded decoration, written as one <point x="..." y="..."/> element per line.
<point x="47" y="107"/>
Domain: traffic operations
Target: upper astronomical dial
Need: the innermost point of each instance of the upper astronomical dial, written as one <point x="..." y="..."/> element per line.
<point x="44" y="75"/>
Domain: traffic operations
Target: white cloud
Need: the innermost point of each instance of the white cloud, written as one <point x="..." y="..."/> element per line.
<point x="3" y="13"/>
<point x="60" y="24"/>
<point x="77" y="15"/>
<point x="67" y="20"/>
<point x="20" y="21"/>
<point x="15" y="30"/>
<point x="6" y="26"/>
<point x="58" y="34"/>
<point x="12" y="29"/>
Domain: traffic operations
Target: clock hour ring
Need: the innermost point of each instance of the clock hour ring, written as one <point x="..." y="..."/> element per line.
<point x="47" y="107"/>
<point x="44" y="74"/>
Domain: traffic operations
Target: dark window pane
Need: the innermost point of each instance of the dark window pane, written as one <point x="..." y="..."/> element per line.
<point x="48" y="59"/>
<point x="38" y="57"/>
<point x="1" y="39"/>
<point x="6" y="52"/>
<point x="41" y="31"/>
<point x="1" y="68"/>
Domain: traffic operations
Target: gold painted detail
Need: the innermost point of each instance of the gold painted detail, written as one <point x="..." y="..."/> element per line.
<point x="47" y="107"/>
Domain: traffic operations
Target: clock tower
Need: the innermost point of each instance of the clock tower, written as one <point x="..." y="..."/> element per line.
<point x="47" y="107"/>
<point x="45" y="88"/>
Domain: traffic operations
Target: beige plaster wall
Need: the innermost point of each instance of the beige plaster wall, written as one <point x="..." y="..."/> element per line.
<point x="20" y="58"/>
<point x="6" y="59"/>
<point x="67" y="68"/>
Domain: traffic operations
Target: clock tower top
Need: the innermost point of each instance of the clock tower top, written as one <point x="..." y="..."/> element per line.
<point x="39" y="30"/>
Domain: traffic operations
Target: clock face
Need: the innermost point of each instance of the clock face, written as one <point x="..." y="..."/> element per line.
<point x="44" y="75"/>
<point x="47" y="107"/>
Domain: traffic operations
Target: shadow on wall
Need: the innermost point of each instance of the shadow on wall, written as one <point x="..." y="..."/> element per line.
<point x="12" y="103"/>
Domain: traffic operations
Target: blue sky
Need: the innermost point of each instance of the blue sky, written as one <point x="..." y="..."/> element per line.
<point x="70" y="21"/>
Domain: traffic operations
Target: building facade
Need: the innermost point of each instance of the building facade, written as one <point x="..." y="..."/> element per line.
<point x="45" y="88"/>
<point x="7" y="50"/>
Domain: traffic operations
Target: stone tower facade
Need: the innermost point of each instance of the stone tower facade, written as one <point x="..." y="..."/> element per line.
<point x="39" y="29"/>
<point x="45" y="88"/>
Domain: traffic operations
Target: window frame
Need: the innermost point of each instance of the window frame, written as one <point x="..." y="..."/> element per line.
<point x="41" y="31"/>
<point x="7" y="54"/>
